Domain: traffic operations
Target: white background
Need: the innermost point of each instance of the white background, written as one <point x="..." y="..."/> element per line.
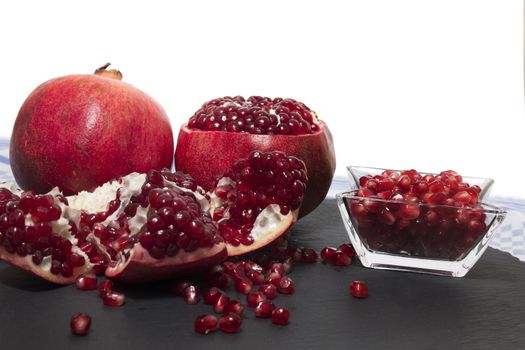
<point x="430" y="85"/>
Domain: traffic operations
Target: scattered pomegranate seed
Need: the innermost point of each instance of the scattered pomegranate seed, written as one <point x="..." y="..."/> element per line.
<point x="254" y="298"/>
<point x="230" y="323"/>
<point x="179" y="286"/>
<point x="191" y="295"/>
<point x="327" y="254"/>
<point x="205" y="324"/>
<point x="105" y="287"/>
<point x="211" y="295"/>
<point x="86" y="282"/>
<point x="80" y="324"/>
<point x="273" y="278"/>
<point x="269" y="291"/>
<point x="222" y="302"/>
<point x="264" y="309"/>
<point x="281" y="316"/>
<point x="347" y="249"/>
<point x="309" y="256"/>
<point x="243" y="286"/>
<point x="114" y="299"/>
<point x="286" y="285"/>
<point x="341" y="259"/>
<point x="234" y="306"/>
<point x="359" y="289"/>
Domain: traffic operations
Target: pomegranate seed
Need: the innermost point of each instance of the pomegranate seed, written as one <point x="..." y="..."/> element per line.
<point x="205" y="324"/>
<point x="179" y="286"/>
<point x="222" y="302"/>
<point x="80" y="324"/>
<point x="327" y="254"/>
<point x="255" y="277"/>
<point x="264" y="309"/>
<point x="243" y="286"/>
<point x="341" y="259"/>
<point x="347" y="249"/>
<point x="254" y="298"/>
<point x="86" y="282"/>
<point x="191" y="295"/>
<point x="219" y="279"/>
<point x="211" y="295"/>
<point x="230" y="323"/>
<point x="309" y="256"/>
<point x="105" y="287"/>
<point x="114" y="299"/>
<point x="281" y="316"/>
<point x="234" y="306"/>
<point x="286" y="285"/>
<point x="269" y="291"/>
<point x="273" y="278"/>
<point x="359" y="289"/>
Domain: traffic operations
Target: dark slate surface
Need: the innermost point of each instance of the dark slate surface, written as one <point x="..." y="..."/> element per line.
<point x="486" y="309"/>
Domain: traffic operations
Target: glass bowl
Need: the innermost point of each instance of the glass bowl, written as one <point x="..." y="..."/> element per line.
<point x="437" y="239"/>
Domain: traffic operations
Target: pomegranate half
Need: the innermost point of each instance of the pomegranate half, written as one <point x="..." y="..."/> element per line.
<point x="226" y="129"/>
<point x="79" y="131"/>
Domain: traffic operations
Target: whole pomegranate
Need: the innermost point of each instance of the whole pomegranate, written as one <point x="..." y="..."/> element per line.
<point x="79" y="131"/>
<point x="226" y="129"/>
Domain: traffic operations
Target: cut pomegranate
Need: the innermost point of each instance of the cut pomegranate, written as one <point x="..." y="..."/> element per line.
<point x="232" y="127"/>
<point x="264" y="309"/>
<point x="281" y="316"/>
<point x="230" y="323"/>
<point x="359" y="289"/>
<point x="80" y="324"/>
<point x="205" y="324"/>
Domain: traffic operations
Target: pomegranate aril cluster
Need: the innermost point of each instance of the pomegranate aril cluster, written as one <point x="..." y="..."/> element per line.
<point x="175" y="221"/>
<point x="405" y="212"/>
<point x="26" y="230"/>
<point x="263" y="179"/>
<point x="255" y="115"/>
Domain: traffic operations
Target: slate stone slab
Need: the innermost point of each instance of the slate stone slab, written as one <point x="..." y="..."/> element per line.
<point x="484" y="310"/>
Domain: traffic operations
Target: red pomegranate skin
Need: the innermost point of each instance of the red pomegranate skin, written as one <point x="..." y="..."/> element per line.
<point x="202" y="154"/>
<point x="79" y="131"/>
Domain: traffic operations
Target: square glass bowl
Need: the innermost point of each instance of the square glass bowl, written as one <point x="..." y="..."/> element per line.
<point x="438" y="239"/>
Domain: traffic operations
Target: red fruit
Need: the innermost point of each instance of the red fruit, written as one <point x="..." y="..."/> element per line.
<point x="264" y="309"/>
<point x="212" y="295"/>
<point x="254" y="298"/>
<point x="234" y="306"/>
<point x="280" y="316"/>
<point x="243" y="286"/>
<point x="309" y="256"/>
<point x="230" y="128"/>
<point x="347" y="249"/>
<point x="205" y="324"/>
<point x="269" y="291"/>
<point x="80" y="324"/>
<point x="230" y="323"/>
<point x="341" y="259"/>
<point x="223" y="301"/>
<point x="359" y="289"/>
<point x="328" y="253"/>
<point x="94" y="128"/>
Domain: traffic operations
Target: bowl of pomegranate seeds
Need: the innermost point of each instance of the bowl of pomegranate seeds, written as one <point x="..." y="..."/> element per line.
<point x="421" y="222"/>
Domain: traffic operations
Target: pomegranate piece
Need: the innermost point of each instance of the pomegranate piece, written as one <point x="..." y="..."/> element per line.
<point x="86" y="282"/>
<point x="114" y="299"/>
<point x="205" y="324"/>
<point x="70" y="116"/>
<point x="281" y="316"/>
<point x="286" y="285"/>
<point x="264" y="309"/>
<point x="233" y="127"/>
<point x="230" y="323"/>
<point x="80" y="324"/>
<point x="359" y="289"/>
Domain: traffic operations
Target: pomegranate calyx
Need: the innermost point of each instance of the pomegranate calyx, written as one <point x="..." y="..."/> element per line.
<point x="108" y="73"/>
